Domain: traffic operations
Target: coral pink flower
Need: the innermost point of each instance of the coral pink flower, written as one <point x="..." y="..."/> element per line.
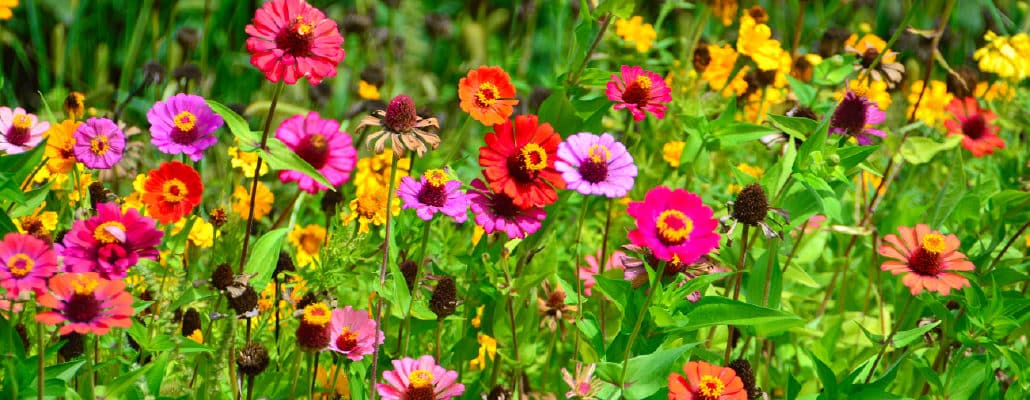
<point x="586" y="273"/>
<point x="925" y="257"/>
<point x="353" y="334"/>
<point x="86" y="303"/>
<point x="110" y="243"/>
<point x="319" y="142"/>
<point x="19" y="130"/>
<point x="674" y="225"/>
<point x="639" y="91"/>
<point x="979" y="136"/>
<point x="25" y="263"/>
<point x="704" y="381"/>
<point x="419" y="379"/>
<point x="290" y="40"/>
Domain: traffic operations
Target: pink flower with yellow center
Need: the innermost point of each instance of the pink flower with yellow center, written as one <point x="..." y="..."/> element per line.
<point x="674" y="225"/>
<point x="183" y="124"/>
<point x="419" y="379"/>
<point x="86" y="303"/>
<point x="321" y="143"/>
<point x="434" y="192"/>
<point x="290" y="40"/>
<point x="25" y="263"/>
<point x="927" y="258"/>
<point x="99" y="143"/>
<point x="19" y="130"/>
<point x="110" y="243"/>
<point x="353" y="334"/>
<point x="639" y="91"/>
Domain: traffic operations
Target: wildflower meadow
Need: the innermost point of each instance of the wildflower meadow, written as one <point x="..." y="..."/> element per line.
<point x="498" y="200"/>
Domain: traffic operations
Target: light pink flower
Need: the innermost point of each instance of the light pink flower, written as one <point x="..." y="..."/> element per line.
<point x="419" y="379"/>
<point x="353" y="334"/>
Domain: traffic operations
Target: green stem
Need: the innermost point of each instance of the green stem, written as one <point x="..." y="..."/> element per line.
<point x="257" y="169"/>
<point x="771" y="256"/>
<point x="603" y="262"/>
<point x="574" y="78"/>
<point x="314" y="374"/>
<point x="294" y="373"/>
<point x="439" y="336"/>
<point x="40" y="374"/>
<point x="336" y="374"/>
<point x="736" y="287"/>
<point x="656" y="285"/>
<point x="575" y="269"/>
<point x="382" y="268"/>
<point x="887" y="341"/>
<point x="406" y="327"/>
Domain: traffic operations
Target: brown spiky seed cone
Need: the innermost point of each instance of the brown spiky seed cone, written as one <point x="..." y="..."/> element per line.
<point x="190" y="322"/>
<point x="445" y="298"/>
<point x="221" y="278"/>
<point x="219" y="217"/>
<point x="499" y="393"/>
<point x="252" y="359"/>
<point x="747" y="376"/>
<point x="409" y="268"/>
<point x="245" y="302"/>
<point x="751" y="205"/>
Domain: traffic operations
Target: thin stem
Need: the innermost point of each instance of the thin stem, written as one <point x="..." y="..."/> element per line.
<point x="511" y="321"/>
<point x="250" y="387"/>
<point x="257" y="170"/>
<point x="768" y="271"/>
<point x="887" y="341"/>
<point x="382" y="268"/>
<point x="336" y="374"/>
<point x="314" y="374"/>
<point x="406" y="326"/>
<point x="438" y="344"/>
<point x="798" y="25"/>
<point x="575" y="266"/>
<point x="40" y="373"/>
<point x="295" y="371"/>
<point x="656" y="285"/>
<point x="794" y="248"/>
<point x="603" y="262"/>
<point x="574" y="78"/>
<point x="736" y="287"/>
<point x="1008" y="244"/>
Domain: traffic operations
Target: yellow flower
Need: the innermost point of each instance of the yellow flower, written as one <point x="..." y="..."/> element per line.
<point x="724" y="9"/>
<point x="5" y="8"/>
<point x="74" y="105"/>
<point x="47" y="219"/>
<point x="373" y="173"/>
<point x="751" y="170"/>
<point x="197" y="336"/>
<point x="262" y="204"/>
<point x="996" y="90"/>
<point x="672" y="151"/>
<point x="932" y="108"/>
<point x="757" y="108"/>
<point x="135" y="199"/>
<point x="872" y="90"/>
<point x="266" y="298"/>
<point x="718" y="71"/>
<point x="1006" y="56"/>
<point x="636" y="32"/>
<point x="308" y="241"/>
<point x="487" y="347"/>
<point x="326" y="377"/>
<point x="61" y="157"/>
<point x="871" y="41"/>
<point x="872" y="182"/>
<point x="477" y="235"/>
<point x="202" y="233"/>
<point x="477" y="320"/>
<point x="755" y="40"/>
<point x="370" y="208"/>
<point x="246" y="161"/>
<point x="368" y="91"/>
<point x="76" y="193"/>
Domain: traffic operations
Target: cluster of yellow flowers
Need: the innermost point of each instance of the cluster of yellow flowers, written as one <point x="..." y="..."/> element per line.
<point x="1006" y="56"/>
<point x="637" y="33"/>
<point x="372" y="178"/>
<point x="932" y="107"/>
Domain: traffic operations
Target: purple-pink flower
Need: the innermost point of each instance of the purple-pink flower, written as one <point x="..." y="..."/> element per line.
<point x="674" y="224"/>
<point x="596" y="165"/>
<point x="855" y="116"/>
<point x="25" y="263"/>
<point x="639" y="91"/>
<point x="419" y="379"/>
<point x="99" y="143"/>
<point x="586" y="273"/>
<point x="19" y="130"/>
<point x="497" y="212"/>
<point x="353" y="334"/>
<point x="183" y="124"/>
<point x="321" y="143"/>
<point x="110" y="243"/>
<point x="434" y="192"/>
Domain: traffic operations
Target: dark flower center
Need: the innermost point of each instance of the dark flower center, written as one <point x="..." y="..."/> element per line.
<point x="82" y="308"/>
<point x="751" y="205"/>
<point x="638" y="92"/>
<point x="594" y="171"/>
<point x="400" y="114"/>
<point x="868" y="56"/>
<point x="433" y="195"/>
<point x="702" y="57"/>
<point x="315" y="150"/>
<point x="503" y="206"/>
<point x="347" y="340"/>
<point x="925" y="263"/>
<point x="419" y="393"/>
<point x="974" y="127"/>
<point x="112" y="253"/>
<point x="296" y="39"/>
<point x="19" y="133"/>
<point x="527" y="162"/>
<point x="185" y="130"/>
<point x="850" y="114"/>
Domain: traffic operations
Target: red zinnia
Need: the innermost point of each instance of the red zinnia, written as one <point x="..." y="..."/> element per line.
<point x="520" y="164"/>
<point x="487" y="95"/>
<point x="290" y="39"/>
<point x="974" y="124"/>
<point x="172" y="191"/>
<point x="703" y="381"/>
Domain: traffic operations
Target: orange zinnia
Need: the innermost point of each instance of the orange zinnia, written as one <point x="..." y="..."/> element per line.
<point x="172" y="191"/>
<point x="704" y="381"/>
<point x="487" y="95"/>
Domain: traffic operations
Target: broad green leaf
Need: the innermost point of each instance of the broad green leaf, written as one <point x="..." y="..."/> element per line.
<point x="619" y="8"/>
<point x="280" y="157"/>
<point x="797" y="127"/>
<point x="33" y="199"/>
<point x="873" y="338"/>
<point x="826" y="376"/>
<point x="559" y="112"/>
<point x="264" y="256"/>
<point x="905" y="338"/>
<point x="714" y="310"/>
<point x="806" y="93"/>
<point x="6" y="225"/>
<point x="920" y="150"/>
<point x="650" y="373"/>
<point x="741" y="132"/>
<point x="851" y="156"/>
<point x="236" y="124"/>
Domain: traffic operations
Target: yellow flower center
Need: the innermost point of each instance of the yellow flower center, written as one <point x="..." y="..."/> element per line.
<point x="174" y="191"/>
<point x="22" y="121"/>
<point x="84" y="285"/>
<point x="933" y="243"/>
<point x="710" y="387"/>
<point x="318" y="141"/>
<point x="644" y="82"/>
<point x="437" y="177"/>
<point x="185" y="121"/>
<point x="534" y="157"/>
<point x="317" y="314"/>
<point x="673" y="226"/>
<point x="487" y="94"/>
<point x="599" y="153"/>
<point x="421" y="378"/>
<point x="109" y="232"/>
<point x="20" y="265"/>
<point x="99" y="145"/>
<point x="197" y="336"/>
<point x="303" y="29"/>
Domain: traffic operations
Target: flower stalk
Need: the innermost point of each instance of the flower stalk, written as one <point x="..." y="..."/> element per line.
<point x="257" y="169"/>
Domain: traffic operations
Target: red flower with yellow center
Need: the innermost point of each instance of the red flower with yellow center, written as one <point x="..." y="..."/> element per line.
<point x="172" y="191"/>
<point x="487" y="95"/>
<point x="703" y="381"/>
<point x="520" y="164"/>
<point x="313" y="333"/>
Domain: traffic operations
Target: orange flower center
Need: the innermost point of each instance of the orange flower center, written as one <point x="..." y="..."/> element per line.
<point x="99" y="145"/>
<point x="347" y="340"/>
<point x="317" y="314"/>
<point x="22" y="121"/>
<point x="421" y="378"/>
<point x="109" y="232"/>
<point x="933" y="243"/>
<point x="185" y="121"/>
<point x="303" y="29"/>
<point x="710" y="387"/>
<point x="643" y="81"/>
<point x="487" y="94"/>
<point x="534" y="158"/>
<point x="20" y="265"/>
<point x="310" y="243"/>
<point x="437" y="177"/>
<point x="674" y="227"/>
<point x="174" y="191"/>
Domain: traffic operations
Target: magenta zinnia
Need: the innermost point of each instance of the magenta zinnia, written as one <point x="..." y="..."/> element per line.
<point x="290" y="40"/>
<point x="434" y="192"/>
<point x="927" y="258"/>
<point x="498" y="212"/>
<point x="319" y="142"/>
<point x="99" y="143"/>
<point x="596" y="165"/>
<point x="674" y="224"/>
<point x="353" y="334"/>
<point x="419" y="379"/>
<point x="110" y="243"/>
<point x="639" y="91"/>
<point x="855" y="116"/>
<point x="25" y="263"/>
<point x="19" y="130"/>
<point x="86" y="303"/>
<point x="183" y="124"/>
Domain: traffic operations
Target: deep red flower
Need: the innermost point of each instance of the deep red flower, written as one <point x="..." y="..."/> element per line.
<point x="974" y="124"/>
<point x="290" y="39"/>
<point x="520" y="164"/>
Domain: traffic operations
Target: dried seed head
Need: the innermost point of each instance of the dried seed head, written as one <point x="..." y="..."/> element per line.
<point x="751" y="205"/>
<point x="444" y="300"/>
<point x="409" y="268"/>
<point x="330" y="201"/>
<point x="190" y="322"/>
<point x="701" y="58"/>
<point x="400" y="114"/>
<point x="285" y="264"/>
<point x="188" y="71"/>
<point x="355" y="23"/>
<point x="499" y="393"/>
<point x="221" y="278"/>
<point x="74" y="105"/>
<point x="245" y="302"/>
<point x="153" y="73"/>
<point x="374" y="75"/>
<point x="218" y="217"/>
<point x="438" y="25"/>
<point x="252" y="359"/>
<point x="747" y="377"/>
<point x="98" y="194"/>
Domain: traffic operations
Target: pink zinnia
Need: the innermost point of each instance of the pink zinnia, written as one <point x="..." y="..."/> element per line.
<point x="855" y="116"/>
<point x="596" y="165"/>
<point x="19" y="130"/>
<point x="353" y="334"/>
<point x="110" y="243"/>
<point x="319" y="142"/>
<point x="586" y="273"/>
<point x="25" y="263"/>
<point x="674" y="224"/>
<point x="99" y="143"/>
<point x="497" y="212"/>
<point x="927" y="258"/>
<point x="639" y="91"/>
<point x="290" y="39"/>
<point x="86" y="303"/>
<point x="183" y="124"/>
<point x="419" y="379"/>
<point x="434" y="192"/>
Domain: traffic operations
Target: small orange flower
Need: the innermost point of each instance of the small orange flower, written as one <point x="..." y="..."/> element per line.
<point x="172" y="191"/>
<point x="487" y="95"/>
<point x="704" y="381"/>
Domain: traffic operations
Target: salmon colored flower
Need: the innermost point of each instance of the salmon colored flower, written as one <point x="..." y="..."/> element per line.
<point x="25" y="263"/>
<point x="703" y="381"/>
<point x="172" y="191"/>
<point x="926" y="258"/>
<point x="86" y="303"/>
<point x="487" y="95"/>
<point x="639" y="91"/>
<point x="290" y="40"/>
<point x="979" y="136"/>
<point x="520" y="164"/>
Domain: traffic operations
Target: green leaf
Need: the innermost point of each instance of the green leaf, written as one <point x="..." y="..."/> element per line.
<point x="714" y="310"/>
<point x="905" y="338"/>
<point x="806" y="93"/>
<point x="797" y="127"/>
<point x="851" y="156"/>
<point x="280" y="157"/>
<point x="740" y="132"/>
<point x="873" y="338"/>
<point x="559" y="112"/>
<point x="650" y="373"/>
<point x="6" y="225"/>
<point x="826" y="375"/>
<point x="619" y="8"/>
<point x="920" y="150"/>
<point x="588" y="326"/>
<point x="33" y="199"/>
<point x="264" y="256"/>
<point x="236" y="124"/>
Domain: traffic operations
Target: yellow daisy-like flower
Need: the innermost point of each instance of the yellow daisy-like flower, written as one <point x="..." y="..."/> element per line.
<point x="487" y="348"/>
<point x="932" y="108"/>
<point x="61" y="157"/>
<point x="672" y="151"/>
<point x="135" y="199"/>
<point x="755" y="40"/>
<point x="308" y="241"/>
<point x="327" y="376"/>
<point x="5" y="8"/>
<point x="757" y="107"/>
<point x="992" y="91"/>
<point x="726" y="10"/>
<point x="723" y="60"/>
<point x="368" y="91"/>
<point x="1006" y="56"/>
<point x="373" y="173"/>
<point x="635" y="32"/>
<point x="751" y="170"/>
<point x="370" y="208"/>
<point x="46" y="219"/>
<point x="478" y="319"/>
<point x="202" y="233"/>
<point x="873" y="90"/>
<point x="262" y="203"/>
<point x="196" y="336"/>
<point x="246" y="161"/>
